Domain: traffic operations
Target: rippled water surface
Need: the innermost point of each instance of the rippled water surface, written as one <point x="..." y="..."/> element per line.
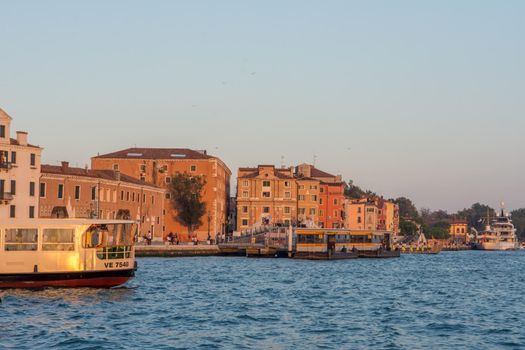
<point x="464" y="300"/>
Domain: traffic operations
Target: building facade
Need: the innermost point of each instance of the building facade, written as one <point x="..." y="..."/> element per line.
<point x="265" y="194"/>
<point x="159" y="165"/>
<point x="372" y="214"/>
<point x="67" y="192"/>
<point x="300" y="195"/>
<point x="19" y="173"/>
<point x="459" y="230"/>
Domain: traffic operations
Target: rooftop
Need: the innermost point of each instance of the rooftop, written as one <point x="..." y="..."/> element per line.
<point x="65" y="169"/>
<point x="156" y="153"/>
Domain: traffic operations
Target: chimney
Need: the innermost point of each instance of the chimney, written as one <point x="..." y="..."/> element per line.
<point x="65" y="166"/>
<point x="21" y="137"/>
<point x="117" y="175"/>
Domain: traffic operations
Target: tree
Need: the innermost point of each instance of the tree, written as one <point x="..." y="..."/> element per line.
<point x="407" y="209"/>
<point x="439" y="230"/>
<point x="476" y="215"/>
<point x="354" y="192"/>
<point x="407" y="228"/>
<point x="186" y="199"/>
<point x="518" y="219"/>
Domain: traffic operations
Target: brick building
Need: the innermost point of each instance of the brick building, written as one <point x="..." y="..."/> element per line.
<point x="19" y="173"/>
<point x="104" y="194"/>
<point x="158" y="165"/>
<point x="304" y="194"/>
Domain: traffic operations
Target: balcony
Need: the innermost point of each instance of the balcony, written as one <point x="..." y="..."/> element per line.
<point x="6" y="165"/>
<point x="5" y="197"/>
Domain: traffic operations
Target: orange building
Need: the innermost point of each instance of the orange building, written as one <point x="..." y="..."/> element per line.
<point x="158" y="165"/>
<point x="67" y="192"/>
<point x="328" y="191"/>
<point x="304" y="195"/>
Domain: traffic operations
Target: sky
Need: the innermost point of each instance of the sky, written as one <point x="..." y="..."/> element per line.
<point x="423" y="99"/>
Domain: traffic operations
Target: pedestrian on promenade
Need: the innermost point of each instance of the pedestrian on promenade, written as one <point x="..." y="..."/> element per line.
<point x="149" y="238"/>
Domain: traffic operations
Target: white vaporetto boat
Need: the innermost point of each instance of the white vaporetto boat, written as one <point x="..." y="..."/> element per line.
<point x="499" y="234"/>
<point x="66" y="253"/>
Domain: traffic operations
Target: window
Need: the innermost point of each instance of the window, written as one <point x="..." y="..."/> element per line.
<point x="245" y="183"/>
<point x="245" y="209"/>
<point x="244" y="222"/>
<point x="60" y="193"/>
<point x="143" y="168"/>
<point x="245" y="194"/>
<point x="335" y="213"/>
<point x="321" y="190"/>
<point x="321" y="213"/>
<point x="31" y="212"/>
<point x="312" y="211"/>
<point x="287" y="195"/>
<point x="168" y="179"/>
<point x="77" y="192"/>
<point x="93" y="193"/>
<point x="127" y="196"/>
<point x="193" y="168"/>
<point x="266" y="194"/>
<point x="358" y="219"/>
<point x="133" y="197"/>
<point x="2" y="131"/>
<point x="31" y="189"/>
<point x="320" y="201"/>
<point x="111" y="241"/>
<point x="58" y="239"/>
<point x="168" y="195"/>
<point x="13" y="157"/>
<point x="301" y="187"/>
<point x="43" y="190"/>
<point x="287" y="210"/>
<point x="266" y="210"/>
<point x="13" y="187"/>
<point x="301" y="197"/>
<point x="314" y="198"/>
<point x="313" y="187"/>
<point x="121" y="195"/>
<point x="335" y="201"/>
<point x="20" y="239"/>
<point x="287" y="184"/>
<point x="359" y="210"/>
<point x="115" y="167"/>
<point x="302" y="211"/>
<point x="266" y="183"/>
<point x="152" y="200"/>
<point x="12" y="211"/>
<point x="33" y="159"/>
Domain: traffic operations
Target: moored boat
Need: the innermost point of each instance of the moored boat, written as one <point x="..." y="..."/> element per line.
<point x="499" y="234"/>
<point x="336" y="244"/>
<point x="66" y="253"/>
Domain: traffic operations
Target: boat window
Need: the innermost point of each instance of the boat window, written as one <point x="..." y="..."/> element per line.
<point x="313" y="238"/>
<point x="58" y="239"/>
<point x="21" y="239"/>
<point x="112" y="235"/>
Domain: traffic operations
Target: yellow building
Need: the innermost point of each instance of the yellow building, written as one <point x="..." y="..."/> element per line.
<point x="265" y="195"/>
<point x="459" y="230"/>
<point x="19" y="173"/>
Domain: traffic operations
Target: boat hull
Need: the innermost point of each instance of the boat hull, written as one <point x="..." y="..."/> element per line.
<point x="325" y="255"/>
<point x="497" y="246"/>
<point x="379" y="254"/>
<point x="84" y="279"/>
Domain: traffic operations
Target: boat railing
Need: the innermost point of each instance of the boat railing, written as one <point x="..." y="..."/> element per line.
<point x="116" y="252"/>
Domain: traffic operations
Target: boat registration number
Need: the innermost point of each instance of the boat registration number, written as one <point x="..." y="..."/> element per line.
<point x="116" y="264"/>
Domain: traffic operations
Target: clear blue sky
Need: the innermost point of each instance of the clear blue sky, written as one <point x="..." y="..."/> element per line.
<point x="416" y="98"/>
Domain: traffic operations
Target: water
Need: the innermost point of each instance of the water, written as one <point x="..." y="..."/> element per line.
<point x="460" y="300"/>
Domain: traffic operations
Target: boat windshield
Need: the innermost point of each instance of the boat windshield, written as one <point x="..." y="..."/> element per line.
<point x="109" y="235"/>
